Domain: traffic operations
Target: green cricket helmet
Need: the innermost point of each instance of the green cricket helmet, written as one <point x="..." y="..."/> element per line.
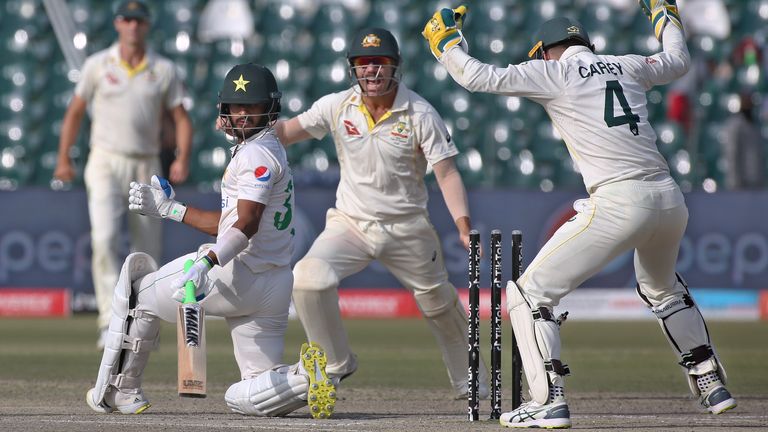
<point x="374" y="58"/>
<point x="556" y="31"/>
<point x="249" y="84"/>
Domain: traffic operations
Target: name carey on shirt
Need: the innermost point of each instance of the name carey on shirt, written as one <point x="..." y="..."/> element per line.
<point x="600" y="68"/>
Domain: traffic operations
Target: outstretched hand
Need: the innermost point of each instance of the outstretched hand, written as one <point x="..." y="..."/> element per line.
<point x="443" y="30"/>
<point x="661" y="12"/>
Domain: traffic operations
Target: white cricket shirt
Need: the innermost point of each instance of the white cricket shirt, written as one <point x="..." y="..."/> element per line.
<point x="259" y="172"/>
<point x="127" y="105"/>
<point x="383" y="164"/>
<point x="596" y="102"/>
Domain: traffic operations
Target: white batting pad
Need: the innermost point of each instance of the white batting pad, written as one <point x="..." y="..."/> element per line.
<point x="136" y="266"/>
<point x="271" y="394"/>
<point x="533" y="363"/>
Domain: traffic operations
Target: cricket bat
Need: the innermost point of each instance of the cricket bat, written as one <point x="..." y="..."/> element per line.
<point x="190" y="333"/>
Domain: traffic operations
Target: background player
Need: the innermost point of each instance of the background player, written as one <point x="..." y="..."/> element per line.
<point x="385" y="136"/>
<point x="244" y="277"/>
<point x="128" y="87"/>
<point x="598" y="104"/>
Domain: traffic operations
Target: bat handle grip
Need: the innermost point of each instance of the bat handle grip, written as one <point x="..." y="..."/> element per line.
<point x="189" y="287"/>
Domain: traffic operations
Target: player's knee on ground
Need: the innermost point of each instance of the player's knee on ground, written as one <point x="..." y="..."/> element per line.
<point x="271" y="394"/>
<point x="313" y="274"/>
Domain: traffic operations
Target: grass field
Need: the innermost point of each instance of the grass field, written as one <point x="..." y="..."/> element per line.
<point x="623" y="376"/>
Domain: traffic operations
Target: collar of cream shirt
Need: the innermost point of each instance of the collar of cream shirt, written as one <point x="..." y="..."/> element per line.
<point x="573" y="50"/>
<point x="401" y="102"/>
<point x="114" y="54"/>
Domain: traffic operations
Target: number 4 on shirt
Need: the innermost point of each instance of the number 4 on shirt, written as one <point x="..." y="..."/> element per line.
<point x="614" y="88"/>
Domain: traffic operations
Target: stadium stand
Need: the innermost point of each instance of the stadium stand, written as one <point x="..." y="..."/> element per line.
<point x="505" y="142"/>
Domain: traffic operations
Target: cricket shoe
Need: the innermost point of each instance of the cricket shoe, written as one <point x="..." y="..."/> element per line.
<point x="321" y="396"/>
<point x="717" y="400"/>
<point x="126" y="403"/>
<point x="553" y="415"/>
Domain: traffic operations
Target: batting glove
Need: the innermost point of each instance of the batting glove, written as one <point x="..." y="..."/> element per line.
<point x="443" y="30"/>
<point x="156" y="200"/>
<point x="197" y="274"/>
<point x="661" y="12"/>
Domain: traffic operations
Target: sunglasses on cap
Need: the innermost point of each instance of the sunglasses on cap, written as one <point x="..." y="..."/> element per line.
<point x="373" y="60"/>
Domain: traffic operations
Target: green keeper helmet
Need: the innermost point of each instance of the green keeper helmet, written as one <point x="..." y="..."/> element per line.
<point x="374" y="57"/>
<point x="557" y="31"/>
<point x="249" y="84"/>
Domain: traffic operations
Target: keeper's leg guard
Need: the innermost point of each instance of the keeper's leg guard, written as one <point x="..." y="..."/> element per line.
<point x="538" y="340"/>
<point x="131" y="336"/>
<point x="687" y="333"/>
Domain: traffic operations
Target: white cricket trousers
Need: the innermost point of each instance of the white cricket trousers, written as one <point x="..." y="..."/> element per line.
<point x="254" y="305"/>
<point x="410" y="249"/>
<point x="108" y="177"/>
<point x="649" y="217"/>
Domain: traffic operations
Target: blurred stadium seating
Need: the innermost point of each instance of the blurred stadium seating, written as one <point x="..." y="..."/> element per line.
<point x="505" y="141"/>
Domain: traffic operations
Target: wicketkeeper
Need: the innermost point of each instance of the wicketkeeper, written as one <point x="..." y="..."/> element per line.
<point x="598" y="104"/>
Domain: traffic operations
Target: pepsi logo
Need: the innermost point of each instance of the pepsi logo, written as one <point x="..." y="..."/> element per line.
<point x="262" y="173"/>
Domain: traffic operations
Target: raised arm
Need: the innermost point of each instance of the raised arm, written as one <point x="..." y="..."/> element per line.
<point x="290" y="131"/>
<point x="674" y="60"/>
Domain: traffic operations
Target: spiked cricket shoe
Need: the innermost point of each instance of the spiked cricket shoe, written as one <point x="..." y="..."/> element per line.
<point x="533" y="415"/>
<point x="126" y="403"/>
<point x="321" y="396"/>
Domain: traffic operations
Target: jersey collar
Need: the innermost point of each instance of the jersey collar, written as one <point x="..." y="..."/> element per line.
<point x="573" y="50"/>
<point x="146" y="62"/>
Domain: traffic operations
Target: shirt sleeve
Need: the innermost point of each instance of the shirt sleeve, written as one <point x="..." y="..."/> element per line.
<point x="434" y="139"/>
<point x="663" y="67"/>
<point x="256" y="174"/>
<point x="537" y="79"/>
<point x="317" y="120"/>
<point x="86" y="87"/>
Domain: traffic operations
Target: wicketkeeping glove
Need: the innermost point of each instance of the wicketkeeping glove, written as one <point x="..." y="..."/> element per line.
<point x="155" y="199"/>
<point x="197" y="274"/>
<point x="443" y="30"/>
<point x="661" y="12"/>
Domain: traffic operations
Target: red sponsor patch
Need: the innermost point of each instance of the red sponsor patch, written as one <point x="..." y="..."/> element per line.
<point x="651" y="60"/>
<point x="351" y="129"/>
<point x="262" y="173"/>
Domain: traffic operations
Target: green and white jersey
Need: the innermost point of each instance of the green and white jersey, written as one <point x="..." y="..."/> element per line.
<point x="596" y="102"/>
<point x="383" y="163"/>
<point x="259" y="172"/>
<point x="127" y="103"/>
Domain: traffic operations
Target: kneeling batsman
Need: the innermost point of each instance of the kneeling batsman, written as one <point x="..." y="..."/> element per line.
<point x="244" y="277"/>
<point x="134" y="331"/>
